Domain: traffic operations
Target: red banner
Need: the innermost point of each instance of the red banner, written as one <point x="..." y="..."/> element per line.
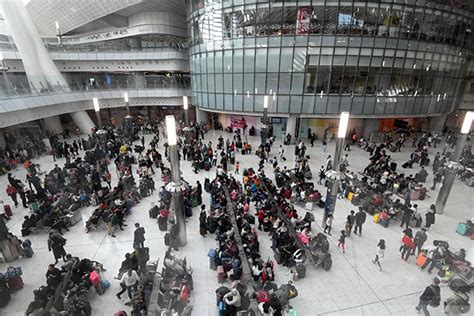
<point x="304" y="20"/>
<point x="237" y="122"/>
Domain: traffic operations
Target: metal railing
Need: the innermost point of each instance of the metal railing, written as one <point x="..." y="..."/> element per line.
<point x="23" y="89"/>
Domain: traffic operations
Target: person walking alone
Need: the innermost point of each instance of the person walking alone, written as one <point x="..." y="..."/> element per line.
<point x="431" y="296"/>
<point x="325" y="145"/>
<point x="322" y="175"/>
<point x="328" y="223"/>
<point x="56" y="243"/>
<point x="128" y="282"/>
<point x="139" y="236"/>
<point x="380" y="253"/>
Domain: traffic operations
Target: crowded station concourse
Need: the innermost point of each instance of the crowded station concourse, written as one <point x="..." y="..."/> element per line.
<point x="269" y="193"/>
<point x="197" y="157"/>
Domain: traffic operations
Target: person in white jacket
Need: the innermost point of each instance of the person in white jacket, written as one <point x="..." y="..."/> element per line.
<point x="380" y="253"/>
<point x="233" y="300"/>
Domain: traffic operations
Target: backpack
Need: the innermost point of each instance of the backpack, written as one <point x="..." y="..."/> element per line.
<point x="436" y="300"/>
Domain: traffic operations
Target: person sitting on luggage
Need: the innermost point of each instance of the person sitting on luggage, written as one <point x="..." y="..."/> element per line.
<point x="384" y="218"/>
<point x="53" y="276"/>
<point x="233" y="300"/>
<point x="305" y="236"/>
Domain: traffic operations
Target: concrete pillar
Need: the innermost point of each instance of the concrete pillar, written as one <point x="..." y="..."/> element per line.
<point x="201" y="116"/>
<point x="291" y="126"/>
<point x="370" y="125"/>
<point x="437" y="123"/>
<point x="3" y="141"/>
<point x="83" y="121"/>
<point x="40" y="69"/>
<point x="53" y="125"/>
<point x="139" y="78"/>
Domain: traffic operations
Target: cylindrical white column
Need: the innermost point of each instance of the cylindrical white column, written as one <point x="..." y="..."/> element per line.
<point x="40" y="69"/>
<point x="53" y="125"/>
<point x="201" y="116"/>
<point x="83" y="121"/>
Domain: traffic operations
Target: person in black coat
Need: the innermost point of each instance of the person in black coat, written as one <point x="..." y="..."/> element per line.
<point x="407" y="213"/>
<point x="359" y="220"/>
<point x="430" y="216"/>
<point x="428" y="295"/>
<point x="56" y="243"/>
<point x="139" y="236"/>
<point x="53" y="276"/>
<point x="203" y="221"/>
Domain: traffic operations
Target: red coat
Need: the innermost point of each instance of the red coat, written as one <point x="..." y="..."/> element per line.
<point x="408" y="242"/>
<point x="11" y="190"/>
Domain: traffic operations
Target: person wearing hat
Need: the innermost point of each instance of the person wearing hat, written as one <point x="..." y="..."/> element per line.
<point x="431" y="296"/>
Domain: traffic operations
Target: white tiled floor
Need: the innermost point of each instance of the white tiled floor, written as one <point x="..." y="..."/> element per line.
<point x="354" y="286"/>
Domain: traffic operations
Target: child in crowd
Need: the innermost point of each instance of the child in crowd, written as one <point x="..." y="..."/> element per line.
<point x="237" y="165"/>
<point x="342" y="241"/>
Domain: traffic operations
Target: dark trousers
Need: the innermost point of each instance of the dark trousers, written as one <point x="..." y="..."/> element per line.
<point x="15" y="200"/>
<point x="328" y="229"/>
<point x="359" y="227"/>
<point x="430" y="262"/>
<point x="405" y="221"/>
<point x="405" y="252"/>
<point x="129" y="290"/>
<point x="423" y="305"/>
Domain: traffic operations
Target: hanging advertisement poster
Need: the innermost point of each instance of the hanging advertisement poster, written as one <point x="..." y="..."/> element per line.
<point x="304" y="20"/>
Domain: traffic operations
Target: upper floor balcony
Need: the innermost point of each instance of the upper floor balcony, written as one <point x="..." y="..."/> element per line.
<point x="20" y="106"/>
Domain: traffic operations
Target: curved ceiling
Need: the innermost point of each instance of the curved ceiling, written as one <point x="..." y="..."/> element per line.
<point x="73" y="15"/>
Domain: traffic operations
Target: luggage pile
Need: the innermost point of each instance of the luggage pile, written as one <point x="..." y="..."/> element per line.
<point x="108" y="204"/>
<point x="175" y="286"/>
<point x="227" y="259"/>
<point x="288" y="249"/>
<point x="69" y="294"/>
<point x="13" y="278"/>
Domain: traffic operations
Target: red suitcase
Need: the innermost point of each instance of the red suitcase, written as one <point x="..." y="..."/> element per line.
<point x="8" y="210"/>
<point x="15" y="283"/>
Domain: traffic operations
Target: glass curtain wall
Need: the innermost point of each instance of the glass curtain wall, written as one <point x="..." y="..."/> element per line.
<point x="323" y="57"/>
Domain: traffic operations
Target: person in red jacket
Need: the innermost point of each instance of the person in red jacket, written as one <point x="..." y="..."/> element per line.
<point x="12" y="192"/>
<point x="407" y="246"/>
<point x="260" y="217"/>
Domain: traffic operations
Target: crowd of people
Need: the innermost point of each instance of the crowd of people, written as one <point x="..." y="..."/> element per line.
<point x="239" y="214"/>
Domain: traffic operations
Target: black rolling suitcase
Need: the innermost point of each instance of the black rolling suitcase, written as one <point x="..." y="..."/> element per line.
<point x="301" y="270"/>
<point x="407" y="164"/>
<point x="163" y="223"/>
<point x="167" y="239"/>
